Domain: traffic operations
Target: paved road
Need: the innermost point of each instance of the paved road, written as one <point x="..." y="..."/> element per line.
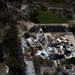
<point x="30" y="68"/>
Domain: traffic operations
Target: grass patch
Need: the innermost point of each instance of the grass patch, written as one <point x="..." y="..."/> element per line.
<point x="49" y="17"/>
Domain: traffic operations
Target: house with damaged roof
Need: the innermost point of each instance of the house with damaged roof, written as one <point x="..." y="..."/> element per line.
<point x="52" y="42"/>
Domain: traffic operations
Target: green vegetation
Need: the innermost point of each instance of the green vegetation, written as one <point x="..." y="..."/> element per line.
<point x="49" y="17"/>
<point x="68" y="66"/>
<point x="66" y="63"/>
<point x="58" y="69"/>
<point x="63" y="62"/>
<point x="0" y="35"/>
<point x="11" y="43"/>
<point x="56" y="16"/>
<point x="11" y="46"/>
<point x="38" y="62"/>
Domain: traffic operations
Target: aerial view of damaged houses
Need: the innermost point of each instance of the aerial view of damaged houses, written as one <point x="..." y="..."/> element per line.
<point x="37" y="37"/>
